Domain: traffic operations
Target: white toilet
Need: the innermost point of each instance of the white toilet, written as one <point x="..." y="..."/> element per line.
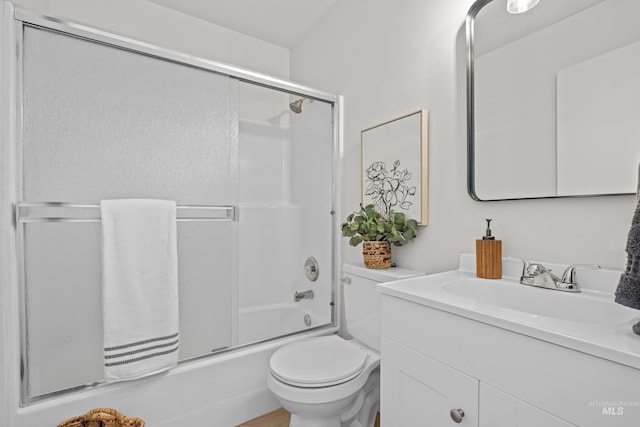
<point x="329" y="381"/>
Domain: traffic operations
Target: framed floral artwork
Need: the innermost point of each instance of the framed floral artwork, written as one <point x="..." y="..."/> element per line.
<point x="394" y="160"/>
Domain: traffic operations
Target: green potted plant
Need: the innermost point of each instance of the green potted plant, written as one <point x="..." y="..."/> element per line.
<point x="378" y="232"/>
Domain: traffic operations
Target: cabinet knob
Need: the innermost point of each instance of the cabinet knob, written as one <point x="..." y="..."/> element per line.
<point x="456" y="415"/>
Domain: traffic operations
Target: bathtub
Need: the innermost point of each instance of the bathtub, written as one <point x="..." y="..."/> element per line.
<point x="265" y="322"/>
<point x="223" y="390"/>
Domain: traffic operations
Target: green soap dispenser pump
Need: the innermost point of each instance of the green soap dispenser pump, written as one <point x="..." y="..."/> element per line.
<point x="489" y="255"/>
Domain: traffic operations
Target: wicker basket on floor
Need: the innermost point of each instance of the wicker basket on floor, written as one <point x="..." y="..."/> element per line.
<point x="376" y="254"/>
<point x="102" y="417"/>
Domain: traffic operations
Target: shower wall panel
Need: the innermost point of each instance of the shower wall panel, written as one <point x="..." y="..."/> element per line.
<point x="270" y="225"/>
<point x="286" y="203"/>
<point x="264" y="156"/>
<point x="312" y="189"/>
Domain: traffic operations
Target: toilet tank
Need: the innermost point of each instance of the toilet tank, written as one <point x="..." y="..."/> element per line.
<point x="362" y="301"/>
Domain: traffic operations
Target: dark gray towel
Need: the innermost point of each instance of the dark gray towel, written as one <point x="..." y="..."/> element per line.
<point x="628" y="292"/>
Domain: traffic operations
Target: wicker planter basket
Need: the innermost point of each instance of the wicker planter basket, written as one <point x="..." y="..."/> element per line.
<point x="376" y="254"/>
<point x="102" y="417"/>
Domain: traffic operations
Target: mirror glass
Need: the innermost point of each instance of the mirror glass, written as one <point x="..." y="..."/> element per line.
<point x="552" y="99"/>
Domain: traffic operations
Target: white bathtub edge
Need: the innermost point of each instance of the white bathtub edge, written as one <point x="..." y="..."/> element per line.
<point x="226" y="389"/>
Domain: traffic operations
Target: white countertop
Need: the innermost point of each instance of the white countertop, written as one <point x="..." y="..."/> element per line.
<point x="601" y="328"/>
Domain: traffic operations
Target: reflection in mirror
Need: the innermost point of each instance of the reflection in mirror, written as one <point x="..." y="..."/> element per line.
<point x="552" y="99"/>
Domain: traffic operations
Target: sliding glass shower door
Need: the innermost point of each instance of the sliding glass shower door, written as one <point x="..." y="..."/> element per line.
<point x="251" y="166"/>
<point x="101" y="122"/>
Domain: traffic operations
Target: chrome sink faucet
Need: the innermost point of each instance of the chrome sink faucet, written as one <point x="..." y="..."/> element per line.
<point x="534" y="274"/>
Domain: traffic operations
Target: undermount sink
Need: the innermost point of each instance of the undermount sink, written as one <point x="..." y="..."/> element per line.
<point x="512" y="295"/>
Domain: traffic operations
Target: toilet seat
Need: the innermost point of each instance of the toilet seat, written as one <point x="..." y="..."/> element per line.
<point x="318" y="362"/>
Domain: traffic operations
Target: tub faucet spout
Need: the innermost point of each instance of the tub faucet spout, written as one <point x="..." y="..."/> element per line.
<point x="303" y="295"/>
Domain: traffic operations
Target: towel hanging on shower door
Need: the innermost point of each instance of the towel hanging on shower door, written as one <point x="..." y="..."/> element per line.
<point x="139" y="287"/>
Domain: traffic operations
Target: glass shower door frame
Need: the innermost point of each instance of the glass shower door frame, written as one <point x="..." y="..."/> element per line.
<point x="13" y="277"/>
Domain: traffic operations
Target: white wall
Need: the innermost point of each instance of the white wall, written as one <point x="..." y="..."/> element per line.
<point x="392" y="58"/>
<point x="160" y="26"/>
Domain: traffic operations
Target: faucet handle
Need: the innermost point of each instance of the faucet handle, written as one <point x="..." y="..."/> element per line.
<point x="569" y="275"/>
<point x="525" y="266"/>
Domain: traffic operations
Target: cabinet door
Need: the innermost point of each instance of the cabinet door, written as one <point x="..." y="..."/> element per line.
<point x="503" y="410"/>
<point x="418" y="391"/>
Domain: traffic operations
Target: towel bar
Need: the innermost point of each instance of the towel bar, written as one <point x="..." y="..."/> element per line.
<point x="29" y="212"/>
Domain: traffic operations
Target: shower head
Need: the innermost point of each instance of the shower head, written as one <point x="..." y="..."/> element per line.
<point x="296" y="106"/>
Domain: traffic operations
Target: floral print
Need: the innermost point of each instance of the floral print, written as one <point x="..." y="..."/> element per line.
<point x="388" y="189"/>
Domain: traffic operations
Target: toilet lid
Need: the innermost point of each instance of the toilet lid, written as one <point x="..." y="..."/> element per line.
<point x="318" y="362"/>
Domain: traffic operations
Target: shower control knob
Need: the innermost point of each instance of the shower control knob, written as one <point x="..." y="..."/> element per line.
<point x="457" y="415"/>
<point x="311" y="270"/>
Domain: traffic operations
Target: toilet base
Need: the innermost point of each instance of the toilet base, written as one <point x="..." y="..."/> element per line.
<point x="363" y="412"/>
<point x="297" y="421"/>
<point x="358" y="410"/>
<point x="325" y="415"/>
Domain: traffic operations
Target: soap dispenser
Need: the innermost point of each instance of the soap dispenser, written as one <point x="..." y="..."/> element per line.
<point x="489" y="255"/>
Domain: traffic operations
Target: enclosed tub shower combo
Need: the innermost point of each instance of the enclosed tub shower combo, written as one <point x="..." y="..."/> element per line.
<point x="251" y="163"/>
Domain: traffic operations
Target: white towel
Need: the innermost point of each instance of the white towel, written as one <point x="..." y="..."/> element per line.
<point x="139" y="287"/>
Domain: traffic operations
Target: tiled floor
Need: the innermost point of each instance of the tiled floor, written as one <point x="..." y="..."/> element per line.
<point x="279" y="418"/>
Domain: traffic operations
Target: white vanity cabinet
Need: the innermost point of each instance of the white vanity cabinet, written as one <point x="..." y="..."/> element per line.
<point x="434" y="361"/>
<point x="420" y="391"/>
<point x="500" y="409"/>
